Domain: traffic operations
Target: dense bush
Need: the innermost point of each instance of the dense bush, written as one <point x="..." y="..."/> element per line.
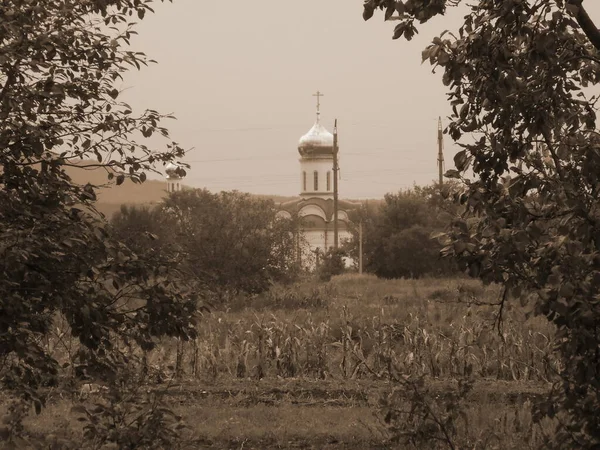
<point x="521" y="79"/>
<point x="331" y="263"/>
<point x="397" y="233"/>
<point x="226" y="243"/>
<point x="60" y="67"/>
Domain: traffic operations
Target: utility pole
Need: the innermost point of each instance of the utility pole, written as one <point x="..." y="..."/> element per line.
<point x="440" y="159"/>
<point x="298" y="250"/>
<point x="335" y="186"/>
<point x="360" y="248"/>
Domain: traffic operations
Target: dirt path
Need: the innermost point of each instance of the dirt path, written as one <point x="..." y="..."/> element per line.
<point x="337" y="393"/>
<point x="316" y="414"/>
<point x="295" y="413"/>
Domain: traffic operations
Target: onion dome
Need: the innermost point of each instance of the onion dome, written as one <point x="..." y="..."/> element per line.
<point x="318" y="141"/>
<point x="172" y="170"/>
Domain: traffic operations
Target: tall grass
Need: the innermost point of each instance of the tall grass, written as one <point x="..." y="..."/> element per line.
<point x="359" y="327"/>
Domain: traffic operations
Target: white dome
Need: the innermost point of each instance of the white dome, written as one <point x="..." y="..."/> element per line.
<point x="171" y="170"/>
<point x="318" y="141"/>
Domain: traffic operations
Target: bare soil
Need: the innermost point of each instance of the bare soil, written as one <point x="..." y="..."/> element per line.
<point x="278" y="414"/>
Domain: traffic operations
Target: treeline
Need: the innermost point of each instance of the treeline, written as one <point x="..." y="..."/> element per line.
<point x="232" y="243"/>
<point x="224" y="244"/>
<point x="397" y="233"/>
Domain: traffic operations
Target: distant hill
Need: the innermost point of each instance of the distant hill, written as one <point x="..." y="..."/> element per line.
<point x="276" y="198"/>
<point x="151" y="192"/>
<point x="111" y="196"/>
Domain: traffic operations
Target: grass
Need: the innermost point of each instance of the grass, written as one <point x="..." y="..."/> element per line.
<point x="311" y="414"/>
<point x="362" y="327"/>
<point x="308" y="365"/>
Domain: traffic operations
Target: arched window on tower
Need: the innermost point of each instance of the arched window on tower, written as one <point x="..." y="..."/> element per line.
<point x="304" y="181"/>
<point x="316" y="181"/>
<point x="328" y="181"/>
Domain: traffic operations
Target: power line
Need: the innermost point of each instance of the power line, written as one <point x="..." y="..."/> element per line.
<point x="394" y="154"/>
<point x="236" y="159"/>
<point x="362" y="124"/>
<point x="286" y="179"/>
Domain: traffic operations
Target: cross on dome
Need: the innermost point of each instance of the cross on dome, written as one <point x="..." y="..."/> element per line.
<point x="318" y="142"/>
<point x="318" y="95"/>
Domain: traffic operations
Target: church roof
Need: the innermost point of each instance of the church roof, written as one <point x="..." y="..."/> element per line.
<point x="317" y="142"/>
<point x="173" y="171"/>
<point x="316" y="223"/>
<point x="326" y="205"/>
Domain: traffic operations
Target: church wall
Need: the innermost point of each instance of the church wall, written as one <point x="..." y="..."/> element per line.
<point x="313" y="210"/>
<point x="314" y="239"/>
<point x="322" y="166"/>
<point x="343" y="215"/>
<point x="343" y="235"/>
<point x="284" y="214"/>
<point x="324" y="239"/>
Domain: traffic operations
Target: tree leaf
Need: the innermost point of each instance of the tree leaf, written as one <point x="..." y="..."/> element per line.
<point x="452" y="174"/>
<point x="368" y="10"/>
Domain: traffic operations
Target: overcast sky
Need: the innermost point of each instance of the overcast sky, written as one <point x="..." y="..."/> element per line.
<point x="239" y="76"/>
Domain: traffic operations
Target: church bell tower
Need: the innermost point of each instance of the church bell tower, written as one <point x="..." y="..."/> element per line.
<point x="316" y="159"/>
<point x="174" y="177"/>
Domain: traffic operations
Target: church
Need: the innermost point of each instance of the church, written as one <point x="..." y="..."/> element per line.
<point x="315" y="206"/>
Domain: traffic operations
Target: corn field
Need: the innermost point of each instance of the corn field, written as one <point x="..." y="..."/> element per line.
<point x="327" y="331"/>
<point x="374" y="338"/>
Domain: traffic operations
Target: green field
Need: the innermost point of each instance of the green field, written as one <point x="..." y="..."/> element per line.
<point x="324" y="365"/>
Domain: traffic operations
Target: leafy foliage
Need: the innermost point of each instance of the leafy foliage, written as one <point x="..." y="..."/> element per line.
<point x="331" y="263"/>
<point x="396" y="234"/>
<point x="355" y="327"/>
<point x="425" y="420"/>
<point x="517" y="73"/>
<point x="130" y="416"/>
<point x="225" y="243"/>
<point x="59" y="108"/>
<point x="149" y="233"/>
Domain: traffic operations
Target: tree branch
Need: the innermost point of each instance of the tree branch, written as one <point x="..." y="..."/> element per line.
<point x="588" y="57"/>
<point x="586" y="23"/>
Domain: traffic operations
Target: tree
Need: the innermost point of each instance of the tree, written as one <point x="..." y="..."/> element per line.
<point x="59" y="106"/>
<point x="517" y="72"/>
<point x="331" y="263"/>
<point x="397" y="233"/>
<point x="231" y="242"/>
<point x="149" y="233"/>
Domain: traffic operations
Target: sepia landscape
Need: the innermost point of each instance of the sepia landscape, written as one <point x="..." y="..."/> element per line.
<point x="408" y="259"/>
